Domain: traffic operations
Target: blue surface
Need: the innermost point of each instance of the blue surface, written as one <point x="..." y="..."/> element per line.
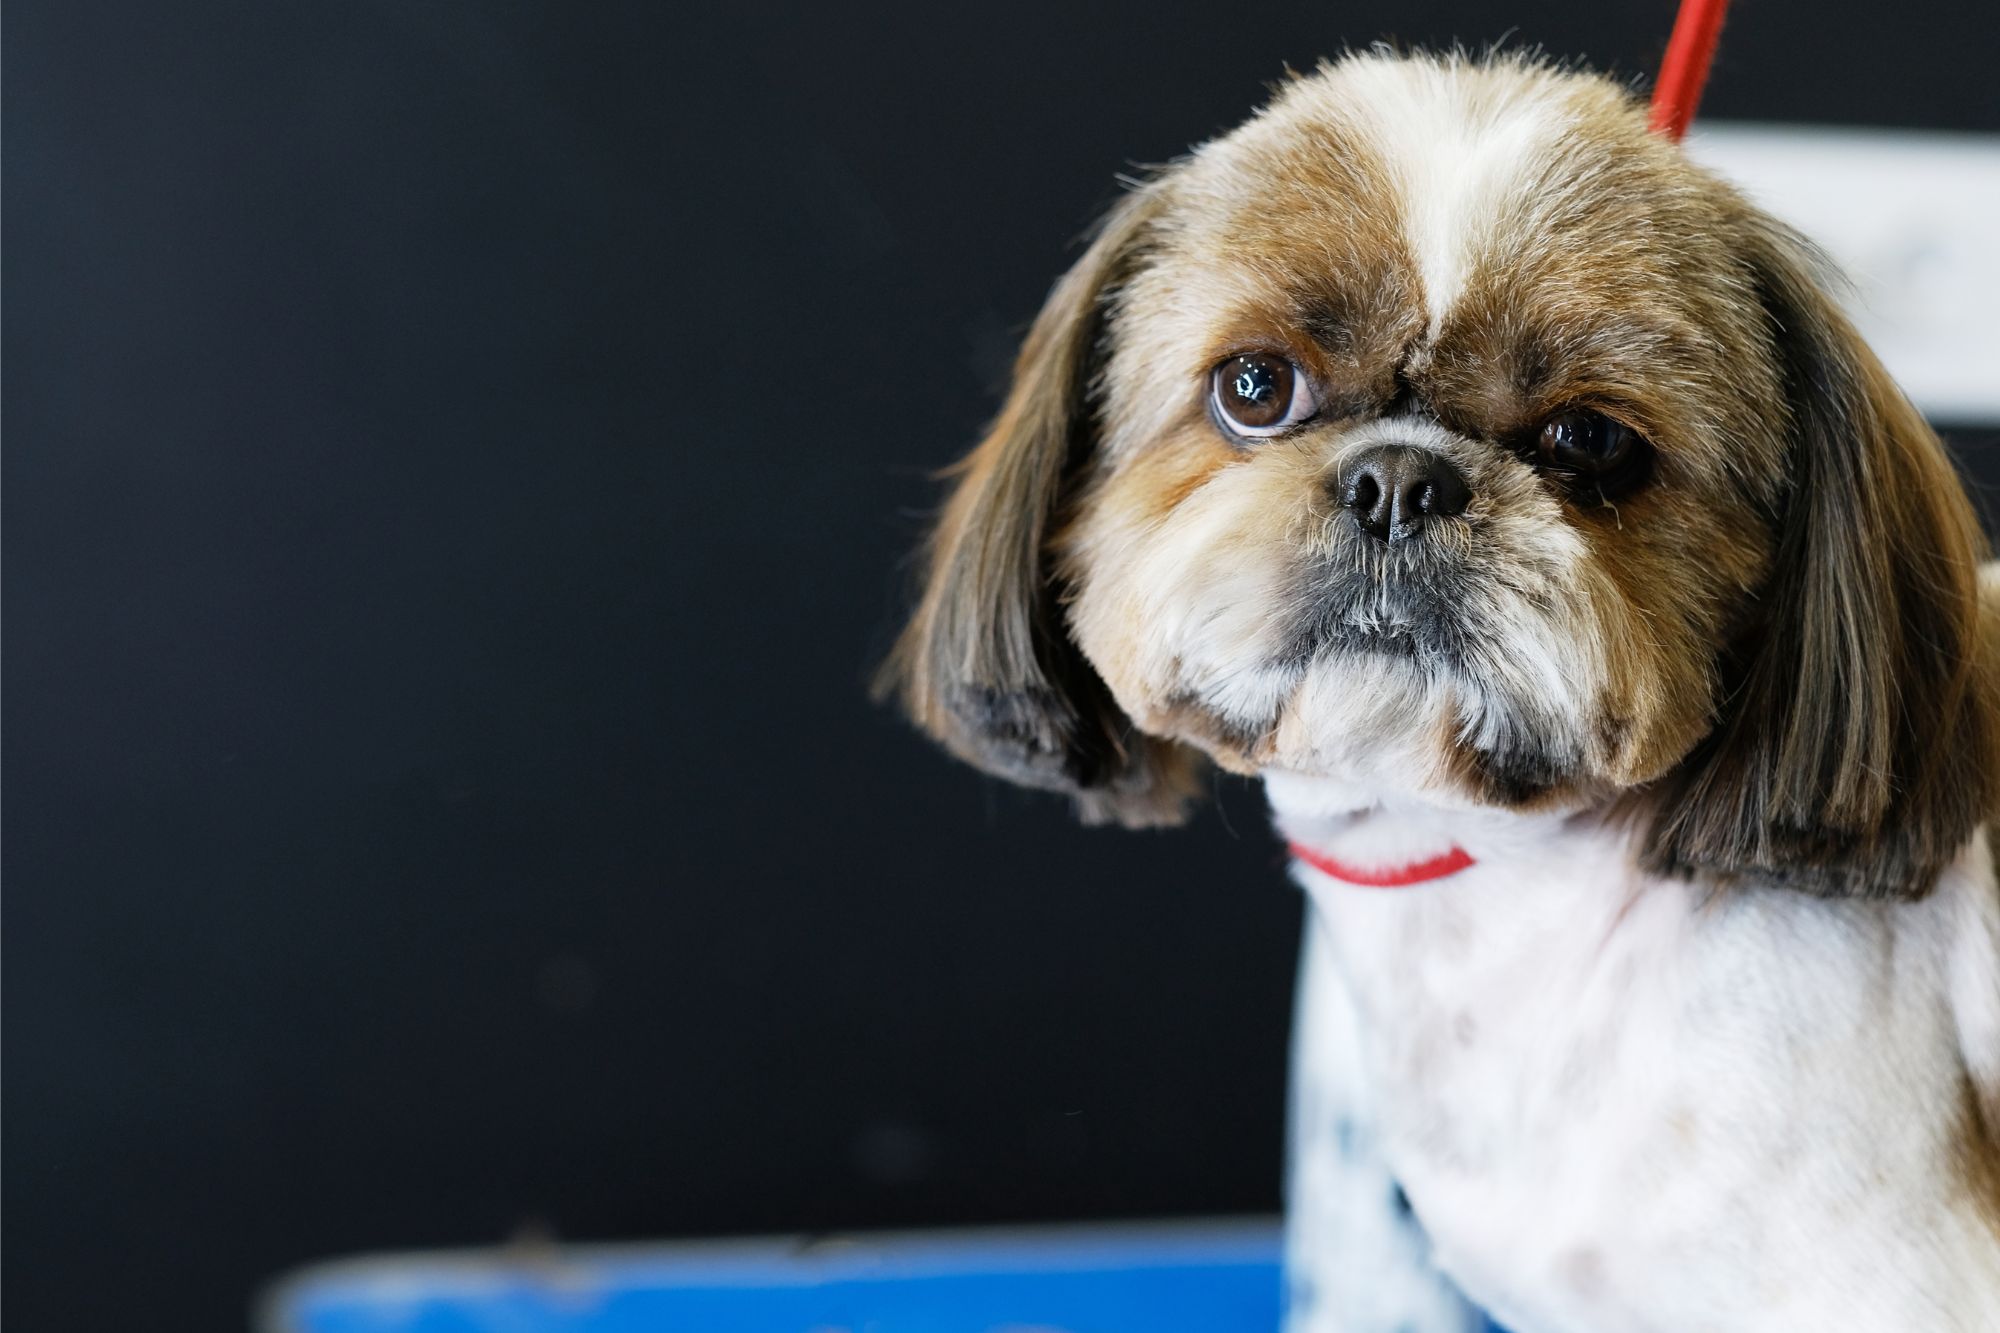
<point x="1132" y="1280"/>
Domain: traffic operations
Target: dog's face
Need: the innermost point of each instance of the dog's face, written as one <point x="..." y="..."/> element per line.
<point x="1441" y="443"/>
<point x="1443" y="430"/>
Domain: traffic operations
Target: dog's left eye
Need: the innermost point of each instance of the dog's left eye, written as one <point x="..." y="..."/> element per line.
<point x="1587" y="442"/>
<point x="1260" y="394"/>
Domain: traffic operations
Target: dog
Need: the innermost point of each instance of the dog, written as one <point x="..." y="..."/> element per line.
<point x="1510" y="496"/>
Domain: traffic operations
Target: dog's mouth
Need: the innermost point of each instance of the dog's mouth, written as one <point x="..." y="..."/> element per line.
<point x="1423" y="624"/>
<point x="1399" y="639"/>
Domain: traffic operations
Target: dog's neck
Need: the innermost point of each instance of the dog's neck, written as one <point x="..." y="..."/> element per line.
<point x="1366" y="836"/>
<point x="1523" y="1036"/>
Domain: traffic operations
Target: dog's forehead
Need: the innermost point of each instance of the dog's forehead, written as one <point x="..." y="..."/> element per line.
<point x="1439" y="165"/>
<point x="1509" y="229"/>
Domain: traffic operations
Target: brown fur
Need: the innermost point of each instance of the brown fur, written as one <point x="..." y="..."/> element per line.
<point x="1857" y="750"/>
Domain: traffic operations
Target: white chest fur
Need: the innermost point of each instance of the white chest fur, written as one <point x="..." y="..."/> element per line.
<point x="1615" y="1104"/>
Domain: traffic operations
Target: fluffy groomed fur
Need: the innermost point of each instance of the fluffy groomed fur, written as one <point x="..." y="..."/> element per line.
<point x="1772" y="639"/>
<point x="1684" y="644"/>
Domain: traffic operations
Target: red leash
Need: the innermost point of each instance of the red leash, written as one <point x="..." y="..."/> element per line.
<point x="1685" y="68"/>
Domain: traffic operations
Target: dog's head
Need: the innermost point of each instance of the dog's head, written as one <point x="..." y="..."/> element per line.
<point x="1444" y="430"/>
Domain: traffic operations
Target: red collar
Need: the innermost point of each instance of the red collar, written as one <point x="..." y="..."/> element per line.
<point x="1387" y="877"/>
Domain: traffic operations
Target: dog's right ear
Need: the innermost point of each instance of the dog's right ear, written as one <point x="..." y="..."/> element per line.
<point x="1856" y="754"/>
<point x="986" y="664"/>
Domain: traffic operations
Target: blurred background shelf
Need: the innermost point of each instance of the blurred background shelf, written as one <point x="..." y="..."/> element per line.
<point x="1216" y="1276"/>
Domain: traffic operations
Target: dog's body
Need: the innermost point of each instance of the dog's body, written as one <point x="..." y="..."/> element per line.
<point x="1615" y="1102"/>
<point x="1449" y="452"/>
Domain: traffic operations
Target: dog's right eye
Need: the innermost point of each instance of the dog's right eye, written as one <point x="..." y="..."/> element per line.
<point x="1259" y="394"/>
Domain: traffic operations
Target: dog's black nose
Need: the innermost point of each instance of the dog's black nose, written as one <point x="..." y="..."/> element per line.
<point x="1393" y="488"/>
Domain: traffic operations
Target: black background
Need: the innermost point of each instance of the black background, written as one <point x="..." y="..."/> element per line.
<point x="458" y="463"/>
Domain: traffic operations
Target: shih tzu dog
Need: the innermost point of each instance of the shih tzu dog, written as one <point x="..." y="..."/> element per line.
<point x="1507" y="493"/>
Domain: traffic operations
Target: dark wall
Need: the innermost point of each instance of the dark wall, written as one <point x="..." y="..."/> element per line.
<point x="458" y="460"/>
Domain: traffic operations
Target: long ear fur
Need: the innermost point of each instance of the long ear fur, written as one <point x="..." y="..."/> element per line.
<point x="986" y="664"/>
<point x="1854" y="755"/>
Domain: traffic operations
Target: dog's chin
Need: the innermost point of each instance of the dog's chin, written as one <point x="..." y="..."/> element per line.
<point x="1392" y="705"/>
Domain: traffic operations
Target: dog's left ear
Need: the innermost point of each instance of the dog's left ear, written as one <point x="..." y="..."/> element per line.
<point x="1854" y="753"/>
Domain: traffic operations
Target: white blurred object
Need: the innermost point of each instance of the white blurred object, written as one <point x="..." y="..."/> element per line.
<point x="1913" y="219"/>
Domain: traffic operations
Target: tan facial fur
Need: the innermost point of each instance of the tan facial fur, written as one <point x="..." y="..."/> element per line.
<point x="1452" y="252"/>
